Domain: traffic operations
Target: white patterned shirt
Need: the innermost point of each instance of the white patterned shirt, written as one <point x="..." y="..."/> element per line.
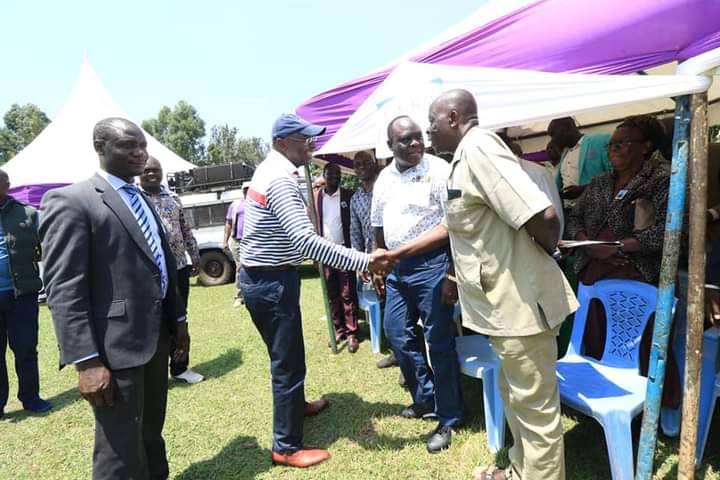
<point x="410" y="203"/>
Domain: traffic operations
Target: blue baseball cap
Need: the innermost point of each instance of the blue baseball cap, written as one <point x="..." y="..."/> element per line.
<point x="288" y="123"/>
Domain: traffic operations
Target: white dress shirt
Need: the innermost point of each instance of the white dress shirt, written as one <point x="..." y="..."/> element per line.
<point x="332" y="223"/>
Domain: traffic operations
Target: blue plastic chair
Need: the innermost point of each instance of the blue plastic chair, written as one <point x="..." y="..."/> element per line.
<point x="610" y="390"/>
<point x="709" y="388"/>
<point x="479" y="361"/>
<point x="369" y="303"/>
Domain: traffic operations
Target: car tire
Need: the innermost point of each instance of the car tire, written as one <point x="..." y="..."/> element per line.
<point x="215" y="268"/>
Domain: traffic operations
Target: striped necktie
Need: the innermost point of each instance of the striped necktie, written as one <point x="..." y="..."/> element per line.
<point x="144" y="224"/>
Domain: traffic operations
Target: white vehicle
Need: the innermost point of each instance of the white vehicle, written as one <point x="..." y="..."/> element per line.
<point x="205" y="213"/>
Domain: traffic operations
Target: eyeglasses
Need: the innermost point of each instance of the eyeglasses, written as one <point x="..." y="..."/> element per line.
<point x="625" y="143"/>
<point x="306" y="140"/>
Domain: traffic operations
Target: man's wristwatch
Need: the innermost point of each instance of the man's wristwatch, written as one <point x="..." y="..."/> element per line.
<point x="557" y="254"/>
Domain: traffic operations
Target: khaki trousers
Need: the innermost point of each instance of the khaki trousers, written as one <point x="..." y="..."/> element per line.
<point x="529" y="388"/>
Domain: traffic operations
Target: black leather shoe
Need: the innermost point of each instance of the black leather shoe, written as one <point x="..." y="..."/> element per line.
<point x="440" y="439"/>
<point x="387" y="362"/>
<point x="418" y="411"/>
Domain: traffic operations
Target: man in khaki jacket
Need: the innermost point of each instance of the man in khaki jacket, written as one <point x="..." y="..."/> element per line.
<point x="503" y="233"/>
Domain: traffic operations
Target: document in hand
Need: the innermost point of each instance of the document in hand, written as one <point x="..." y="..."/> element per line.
<point x="567" y="244"/>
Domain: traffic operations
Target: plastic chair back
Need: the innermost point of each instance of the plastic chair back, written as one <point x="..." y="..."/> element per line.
<point x="628" y="305"/>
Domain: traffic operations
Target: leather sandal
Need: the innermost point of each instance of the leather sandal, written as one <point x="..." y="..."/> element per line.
<point x="493" y="472"/>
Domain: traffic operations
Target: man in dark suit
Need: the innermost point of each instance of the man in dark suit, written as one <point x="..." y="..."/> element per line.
<point x="112" y="290"/>
<point x="333" y="209"/>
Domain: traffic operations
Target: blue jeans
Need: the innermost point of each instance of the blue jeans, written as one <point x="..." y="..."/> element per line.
<point x="412" y="292"/>
<point x="19" y="328"/>
<point x="273" y="300"/>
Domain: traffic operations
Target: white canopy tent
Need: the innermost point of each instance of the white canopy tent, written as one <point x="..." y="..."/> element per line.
<point x="63" y="152"/>
<point x="506" y="98"/>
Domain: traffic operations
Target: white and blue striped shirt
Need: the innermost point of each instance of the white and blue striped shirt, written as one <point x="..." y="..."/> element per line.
<point x="277" y="228"/>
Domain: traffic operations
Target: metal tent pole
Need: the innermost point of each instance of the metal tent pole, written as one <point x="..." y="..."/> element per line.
<point x="696" y="285"/>
<point x="321" y="266"/>
<point x="666" y="291"/>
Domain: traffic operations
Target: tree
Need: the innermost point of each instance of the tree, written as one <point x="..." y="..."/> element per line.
<point x="180" y="129"/>
<point x="22" y="125"/>
<point x="226" y="147"/>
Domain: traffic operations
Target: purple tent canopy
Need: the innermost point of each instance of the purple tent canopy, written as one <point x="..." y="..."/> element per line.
<point x="609" y="37"/>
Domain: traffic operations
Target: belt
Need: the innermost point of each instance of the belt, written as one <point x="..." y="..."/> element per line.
<point x="276" y="268"/>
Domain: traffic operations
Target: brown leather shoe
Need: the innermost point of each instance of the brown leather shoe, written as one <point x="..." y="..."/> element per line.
<point x="313" y="408"/>
<point x="353" y="344"/>
<point x="303" y="458"/>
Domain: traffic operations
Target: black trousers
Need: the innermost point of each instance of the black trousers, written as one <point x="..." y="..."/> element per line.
<point x="176" y="368"/>
<point x="128" y="436"/>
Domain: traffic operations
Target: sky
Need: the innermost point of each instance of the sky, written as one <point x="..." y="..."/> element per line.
<point x="239" y="63"/>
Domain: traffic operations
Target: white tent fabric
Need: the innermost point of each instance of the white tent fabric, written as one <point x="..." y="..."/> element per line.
<point x="505" y="98"/>
<point x="63" y="152"/>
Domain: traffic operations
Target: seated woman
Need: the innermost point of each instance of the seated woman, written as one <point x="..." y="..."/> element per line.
<point x="629" y="205"/>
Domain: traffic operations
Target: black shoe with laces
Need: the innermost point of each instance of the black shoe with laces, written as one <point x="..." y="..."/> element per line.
<point x="440" y="439"/>
<point x="418" y="411"/>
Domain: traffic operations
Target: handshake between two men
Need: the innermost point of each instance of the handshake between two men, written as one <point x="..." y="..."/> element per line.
<point x="381" y="263"/>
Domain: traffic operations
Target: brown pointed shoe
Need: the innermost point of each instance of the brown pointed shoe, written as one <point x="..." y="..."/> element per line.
<point x="352" y="344"/>
<point x="303" y="458"/>
<point x="313" y="408"/>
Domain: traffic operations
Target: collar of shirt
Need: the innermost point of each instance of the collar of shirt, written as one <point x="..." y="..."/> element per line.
<point x="164" y="191"/>
<point x="282" y="162"/>
<point x="116" y="182"/>
<point x="574" y="148"/>
<point x="421" y="167"/>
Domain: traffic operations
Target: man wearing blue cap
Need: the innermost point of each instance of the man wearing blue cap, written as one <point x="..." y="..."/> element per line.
<point x="277" y="237"/>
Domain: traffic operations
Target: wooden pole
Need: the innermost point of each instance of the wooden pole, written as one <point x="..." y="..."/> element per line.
<point x="666" y="292"/>
<point x="321" y="266"/>
<point x="696" y="283"/>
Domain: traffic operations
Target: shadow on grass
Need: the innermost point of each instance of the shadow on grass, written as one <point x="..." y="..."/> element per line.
<point x="241" y="458"/>
<point x="58" y="402"/>
<point x="711" y="455"/>
<point x="587" y="459"/>
<point x="352" y="417"/>
<point x="217" y="367"/>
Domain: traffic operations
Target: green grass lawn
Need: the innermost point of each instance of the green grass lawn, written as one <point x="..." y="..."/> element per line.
<point x="220" y="429"/>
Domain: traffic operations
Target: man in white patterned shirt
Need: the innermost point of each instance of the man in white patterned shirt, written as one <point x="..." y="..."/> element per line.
<point x="408" y="202"/>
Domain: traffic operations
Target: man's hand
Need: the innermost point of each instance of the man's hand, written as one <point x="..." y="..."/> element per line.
<point x="182" y="342"/>
<point x="448" y="292"/>
<point x="364" y="277"/>
<point x="572" y="192"/>
<point x="712" y="305"/>
<point x="381" y="262"/>
<point x="95" y="383"/>
<point x="379" y="285"/>
<point x="194" y="268"/>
